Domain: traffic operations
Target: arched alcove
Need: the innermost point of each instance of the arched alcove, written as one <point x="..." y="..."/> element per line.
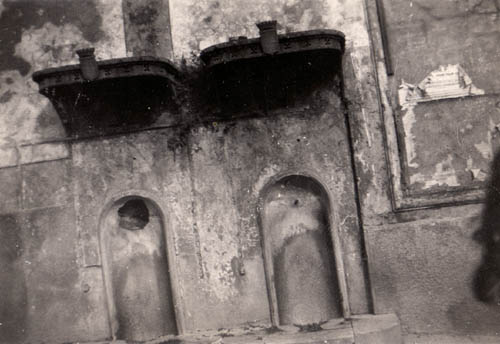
<point x="136" y="270"/>
<point x="300" y="262"/>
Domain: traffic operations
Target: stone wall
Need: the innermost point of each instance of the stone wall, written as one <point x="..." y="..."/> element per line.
<point x="417" y="219"/>
<point x="39" y="242"/>
<point x="424" y="253"/>
<point x="208" y="191"/>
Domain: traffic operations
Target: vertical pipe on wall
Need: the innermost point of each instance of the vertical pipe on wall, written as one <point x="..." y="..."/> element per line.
<point x="385" y="39"/>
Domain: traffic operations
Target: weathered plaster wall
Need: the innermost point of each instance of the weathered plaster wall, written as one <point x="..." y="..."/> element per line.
<point x="208" y="190"/>
<point x="423" y="263"/>
<point x="444" y="58"/>
<point x="147" y="28"/>
<point x="207" y="186"/>
<point x="295" y="227"/>
<point x="207" y="182"/>
<point x="41" y="34"/>
<point x="198" y="24"/>
<point x="135" y="263"/>
<point x="42" y="283"/>
<point x="47" y="296"/>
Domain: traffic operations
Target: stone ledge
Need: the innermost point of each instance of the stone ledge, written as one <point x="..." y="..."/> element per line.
<point x="378" y="329"/>
<point x="32" y="153"/>
<point x="364" y="329"/>
<point x="450" y="339"/>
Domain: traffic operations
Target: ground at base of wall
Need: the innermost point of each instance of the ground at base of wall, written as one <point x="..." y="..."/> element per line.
<point x="365" y="329"/>
<point x="447" y="339"/>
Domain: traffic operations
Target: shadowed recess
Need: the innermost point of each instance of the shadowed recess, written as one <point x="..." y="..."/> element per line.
<point x="133" y="215"/>
<point x="137" y="272"/>
<point x="297" y="230"/>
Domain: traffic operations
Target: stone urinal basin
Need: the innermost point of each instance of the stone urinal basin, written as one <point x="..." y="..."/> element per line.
<point x="103" y="97"/>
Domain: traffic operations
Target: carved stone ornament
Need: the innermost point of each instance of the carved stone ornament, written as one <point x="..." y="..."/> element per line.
<point x="270" y="43"/>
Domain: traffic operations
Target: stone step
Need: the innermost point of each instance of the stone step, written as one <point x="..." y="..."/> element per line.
<point x="363" y="329"/>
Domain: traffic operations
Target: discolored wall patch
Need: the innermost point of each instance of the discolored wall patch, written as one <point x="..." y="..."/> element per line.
<point x="41" y="34"/>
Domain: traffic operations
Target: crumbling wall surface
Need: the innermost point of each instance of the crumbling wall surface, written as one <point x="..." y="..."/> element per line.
<point x="39" y="34"/>
<point x="295" y="228"/>
<point x="444" y="91"/>
<point x="439" y="113"/>
<point x="198" y="24"/>
<point x="147" y="28"/>
<point x="250" y="155"/>
<point x="45" y="296"/>
<point x="207" y="181"/>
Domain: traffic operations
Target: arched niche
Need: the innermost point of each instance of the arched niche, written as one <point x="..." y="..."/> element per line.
<point x="136" y="270"/>
<point x="301" y="267"/>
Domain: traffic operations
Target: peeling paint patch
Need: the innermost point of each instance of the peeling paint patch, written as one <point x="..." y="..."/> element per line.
<point x="18" y="116"/>
<point x="428" y="165"/>
<point x="37" y="46"/>
<point x="20" y="17"/>
<point x="478" y="174"/>
<point x="444" y="174"/>
<point x="484" y="147"/>
<point x="408" y="121"/>
<point x="443" y="83"/>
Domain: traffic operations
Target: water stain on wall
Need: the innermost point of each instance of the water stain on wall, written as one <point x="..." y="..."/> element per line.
<point x="199" y="24"/>
<point x="137" y="271"/>
<point x="296" y="226"/>
<point x="147" y="28"/>
<point x="19" y="16"/>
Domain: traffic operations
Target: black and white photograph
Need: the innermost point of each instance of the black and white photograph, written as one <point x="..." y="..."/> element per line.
<point x="249" y="171"/>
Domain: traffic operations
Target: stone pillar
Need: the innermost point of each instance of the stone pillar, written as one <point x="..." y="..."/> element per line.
<point x="147" y="28"/>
